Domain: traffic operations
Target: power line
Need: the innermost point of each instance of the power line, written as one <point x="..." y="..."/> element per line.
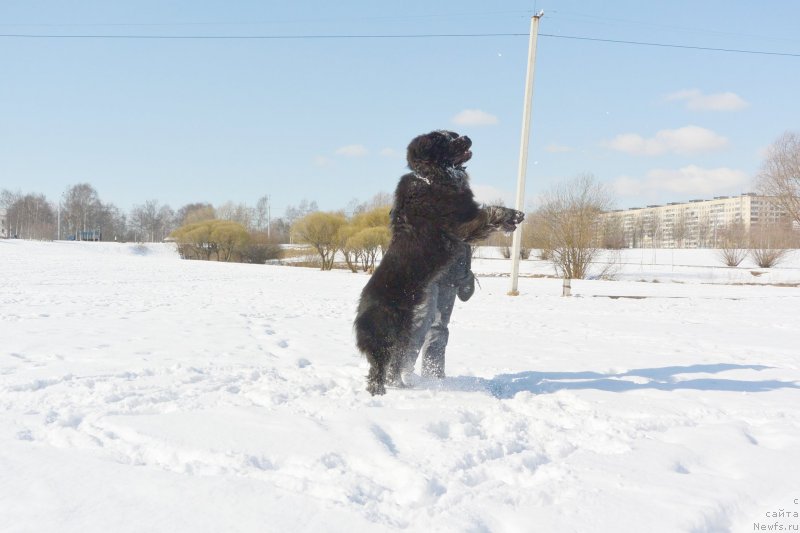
<point x="265" y="37"/>
<point x="664" y="45"/>
<point x="449" y="15"/>
<point x="391" y="36"/>
<point x="560" y="14"/>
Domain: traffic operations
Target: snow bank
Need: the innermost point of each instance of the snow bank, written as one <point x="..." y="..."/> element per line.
<point x="139" y="392"/>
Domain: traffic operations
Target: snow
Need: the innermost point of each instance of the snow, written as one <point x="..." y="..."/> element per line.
<point x="140" y="392"/>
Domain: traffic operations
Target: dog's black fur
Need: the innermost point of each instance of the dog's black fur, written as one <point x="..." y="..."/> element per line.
<point x="434" y="214"/>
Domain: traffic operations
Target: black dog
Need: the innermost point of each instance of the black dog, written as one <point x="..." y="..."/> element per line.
<point x="434" y="214"/>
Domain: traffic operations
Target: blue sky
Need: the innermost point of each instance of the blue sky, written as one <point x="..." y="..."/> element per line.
<point x="215" y="120"/>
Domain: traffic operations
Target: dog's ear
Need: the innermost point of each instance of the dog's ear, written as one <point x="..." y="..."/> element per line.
<point x="418" y="148"/>
<point x="428" y="147"/>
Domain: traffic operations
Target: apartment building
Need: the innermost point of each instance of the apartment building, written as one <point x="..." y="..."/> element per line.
<point x="693" y="224"/>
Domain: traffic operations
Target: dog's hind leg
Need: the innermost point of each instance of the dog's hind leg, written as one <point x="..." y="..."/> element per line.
<point x="376" y="379"/>
<point x="394" y="367"/>
<point x="386" y="368"/>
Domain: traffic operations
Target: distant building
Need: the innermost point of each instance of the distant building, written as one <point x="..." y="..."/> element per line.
<point x="3" y="224"/>
<point x="693" y="224"/>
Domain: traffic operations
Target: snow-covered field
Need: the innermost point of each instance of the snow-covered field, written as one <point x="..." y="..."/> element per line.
<point x="139" y="392"/>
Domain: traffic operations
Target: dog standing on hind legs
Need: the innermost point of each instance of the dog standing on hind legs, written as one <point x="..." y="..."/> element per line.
<point x="434" y="214"/>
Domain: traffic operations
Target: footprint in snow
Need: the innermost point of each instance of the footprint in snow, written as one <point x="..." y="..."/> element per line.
<point x="384" y="438"/>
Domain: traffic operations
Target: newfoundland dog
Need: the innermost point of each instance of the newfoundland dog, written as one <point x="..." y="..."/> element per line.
<point x="434" y="214"/>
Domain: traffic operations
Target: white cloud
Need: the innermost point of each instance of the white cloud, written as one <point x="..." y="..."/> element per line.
<point x="353" y="150"/>
<point x="690" y="180"/>
<point x="627" y="186"/>
<point x="697" y="101"/>
<point x="475" y="117"/>
<point x="686" y="140"/>
<point x="557" y="148"/>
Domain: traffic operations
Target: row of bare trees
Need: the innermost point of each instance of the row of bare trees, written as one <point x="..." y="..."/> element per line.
<point x="570" y="230"/>
<point x="32" y="216"/>
<point x="81" y="214"/>
<point x="567" y="227"/>
<point x="28" y="215"/>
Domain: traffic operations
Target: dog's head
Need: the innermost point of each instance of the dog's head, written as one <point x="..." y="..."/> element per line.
<point x="439" y="148"/>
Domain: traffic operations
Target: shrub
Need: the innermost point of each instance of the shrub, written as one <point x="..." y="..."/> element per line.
<point x="369" y="241"/>
<point x="321" y="231"/>
<point x="768" y="257"/>
<point x="524" y="253"/>
<point x="260" y="249"/>
<point x="731" y="256"/>
<point x="229" y="237"/>
<point x="200" y="240"/>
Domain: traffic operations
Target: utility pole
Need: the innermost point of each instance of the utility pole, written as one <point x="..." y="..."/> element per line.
<point x="523" y="150"/>
<point x="269" y="217"/>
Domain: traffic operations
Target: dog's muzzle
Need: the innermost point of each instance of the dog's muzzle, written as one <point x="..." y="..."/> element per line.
<point x="463" y="145"/>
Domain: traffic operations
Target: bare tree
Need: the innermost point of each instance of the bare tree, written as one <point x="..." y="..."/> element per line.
<point x="381" y="199"/>
<point x="7" y="200"/>
<point x="613" y="232"/>
<point x="112" y="222"/>
<point x="261" y="214"/>
<point x="280" y="230"/>
<point x="195" y="212"/>
<point x="81" y="209"/>
<point x="679" y="229"/>
<point x="638" y="230"/>
<point x="780" y="174"/>
<point x="304" y="208"/>
<point x="703" y="229"/>
<point x="569" y="225"/>
<point x="240" y="213"/>
<point x="733" y="244"/>
<point x="653" y="229"/>
<point x="152" y="222"/>
<point x="770" y="243"/>
<point x="29" y="216"/>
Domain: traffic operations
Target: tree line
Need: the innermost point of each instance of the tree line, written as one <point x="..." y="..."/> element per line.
<point x="82" y="215"/>
<point x="567" y="228"/>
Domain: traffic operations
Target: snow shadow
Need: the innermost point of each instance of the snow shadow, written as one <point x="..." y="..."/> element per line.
<point x="505" y="386"/>
<point x="140" y="249"/>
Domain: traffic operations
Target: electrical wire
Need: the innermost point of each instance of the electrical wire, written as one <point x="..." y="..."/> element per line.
<point x="592" y="19"/>
<point x="395" y="36"/>
<point x="265" y="37"/>
<point x="448" y="15"/>
<point x="664" y="45"/>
